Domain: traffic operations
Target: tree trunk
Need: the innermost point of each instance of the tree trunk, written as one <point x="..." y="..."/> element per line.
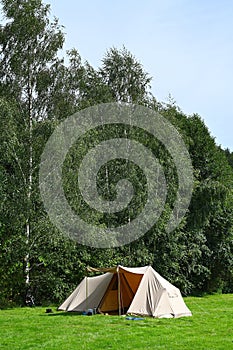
<point x="30" y="169"/>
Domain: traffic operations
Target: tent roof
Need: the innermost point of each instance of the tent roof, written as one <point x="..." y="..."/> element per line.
<point x="137" y="270"/>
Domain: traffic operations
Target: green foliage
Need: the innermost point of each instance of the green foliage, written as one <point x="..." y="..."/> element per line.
<point x="229" y="156"/>
<point x="125" y="76"/>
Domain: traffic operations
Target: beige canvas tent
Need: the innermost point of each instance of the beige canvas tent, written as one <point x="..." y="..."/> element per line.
<point x="120" y="290"/>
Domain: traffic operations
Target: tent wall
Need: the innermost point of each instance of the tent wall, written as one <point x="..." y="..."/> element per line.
<point x="88" y="294"/>
<point x="158" y="298"/>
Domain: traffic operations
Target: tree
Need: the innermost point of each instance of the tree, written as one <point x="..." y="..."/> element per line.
<point x="210" y="212"/>
<point x="125" y="77"/>
<point x="229" y="156"/>
<point x="29" y="45"/>
<point x="12" y="183"/>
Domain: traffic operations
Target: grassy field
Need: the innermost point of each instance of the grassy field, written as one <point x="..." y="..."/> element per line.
<point x="211" y="327"/>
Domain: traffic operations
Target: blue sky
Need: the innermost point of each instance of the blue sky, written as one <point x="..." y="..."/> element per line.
<point x="185" y="45"/>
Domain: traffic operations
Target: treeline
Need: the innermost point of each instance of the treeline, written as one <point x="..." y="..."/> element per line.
<point x="39" y="90"/>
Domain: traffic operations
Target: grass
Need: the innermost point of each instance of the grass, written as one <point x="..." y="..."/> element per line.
<point x="210" y="327"/>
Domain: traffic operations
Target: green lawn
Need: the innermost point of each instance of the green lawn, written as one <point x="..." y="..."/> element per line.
<point x="211" y="327"/>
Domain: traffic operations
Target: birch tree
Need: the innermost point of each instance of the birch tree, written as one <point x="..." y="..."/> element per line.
<point x="29" y="43"/>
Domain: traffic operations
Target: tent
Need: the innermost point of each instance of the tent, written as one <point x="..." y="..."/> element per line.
<point x="121" y="290"/>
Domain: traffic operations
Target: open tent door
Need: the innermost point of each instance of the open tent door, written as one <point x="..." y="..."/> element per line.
<point x="120" y="292"/>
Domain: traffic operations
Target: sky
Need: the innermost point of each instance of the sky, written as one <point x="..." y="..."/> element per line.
<point x="185" y="45"/>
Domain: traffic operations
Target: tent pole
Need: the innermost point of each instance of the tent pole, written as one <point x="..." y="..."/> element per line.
<point x="119" y="291"/>
<point x="86" y="293"/>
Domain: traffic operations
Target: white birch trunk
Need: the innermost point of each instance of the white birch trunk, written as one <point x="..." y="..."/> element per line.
<point x="30" y="169"/>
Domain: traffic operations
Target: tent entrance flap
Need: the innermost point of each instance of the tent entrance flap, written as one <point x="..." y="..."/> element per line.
<point x="116" y="299"/>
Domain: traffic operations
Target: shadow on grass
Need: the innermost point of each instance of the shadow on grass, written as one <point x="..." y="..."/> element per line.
<point x="62" y="313"/>
<point x="65" y="314"/>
